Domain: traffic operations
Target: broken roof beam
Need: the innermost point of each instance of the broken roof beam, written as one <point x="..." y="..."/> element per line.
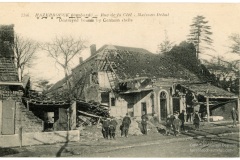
<point x="221" y="97"/>
<point x="91" y="115"/>
<point x="133" y="79"/>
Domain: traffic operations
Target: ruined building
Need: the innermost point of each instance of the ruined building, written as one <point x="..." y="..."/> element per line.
<point x="136" y="81"/>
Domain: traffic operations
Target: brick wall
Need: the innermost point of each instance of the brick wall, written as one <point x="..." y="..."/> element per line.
<point x="27" y="119"/>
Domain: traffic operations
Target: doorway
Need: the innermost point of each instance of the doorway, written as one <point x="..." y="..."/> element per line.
<point x="176" y="104"/>
<point x="144" y="108"/>
<point x="48" y="121"/>
<point x="163" y="105"/>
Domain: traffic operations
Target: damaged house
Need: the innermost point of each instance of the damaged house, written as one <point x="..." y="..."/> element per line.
<point x="21" y="111"/>
<point x="13" y="114"/>
<point x="136" y="81"/>
<point x="10" y="87"/>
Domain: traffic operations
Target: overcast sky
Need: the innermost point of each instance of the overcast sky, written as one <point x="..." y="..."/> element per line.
<point x="143" y="32"/>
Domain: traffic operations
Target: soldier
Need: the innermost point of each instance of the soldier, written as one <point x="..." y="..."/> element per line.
<point x="125" y="125"/>
<point x="144" y="123"/>
<point x="105" y="127"/>
<point x="112" y="127"/>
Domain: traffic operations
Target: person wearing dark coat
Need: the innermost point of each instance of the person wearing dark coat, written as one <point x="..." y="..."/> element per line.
<point x="144" y="123"/>
<point x="112" y="127"/>
<point x="182" y="118"/>
<point x="125" y="125"/>
<point x="234" y="116"/>
<point x="105" y="127"/>
<point x="196" y="120"/>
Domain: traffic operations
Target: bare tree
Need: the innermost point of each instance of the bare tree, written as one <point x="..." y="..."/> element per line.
<point x="24" y="53"/>
<point x="63" y="50"/>
<point x="235" y="40"/>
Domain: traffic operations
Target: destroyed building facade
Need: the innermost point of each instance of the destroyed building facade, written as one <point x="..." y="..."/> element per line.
<point x="136" y="81"/>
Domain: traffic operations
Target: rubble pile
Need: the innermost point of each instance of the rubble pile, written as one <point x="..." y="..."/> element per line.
<point x="157" y="125"/>
<point x="135" y="127"/>
<point x="94" y="132"/>
<point x="90" y="113"/>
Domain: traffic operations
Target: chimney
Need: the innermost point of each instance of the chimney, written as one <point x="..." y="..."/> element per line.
<point x="93" y="49"/>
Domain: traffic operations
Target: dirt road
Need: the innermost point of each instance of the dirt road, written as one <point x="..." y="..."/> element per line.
<point x="211" y="147"/>
<point x="214" y="141"/>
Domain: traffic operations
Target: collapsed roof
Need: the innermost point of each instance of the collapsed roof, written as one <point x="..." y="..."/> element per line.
<point x="132" y="63"/>
<point x="208" y="90"/>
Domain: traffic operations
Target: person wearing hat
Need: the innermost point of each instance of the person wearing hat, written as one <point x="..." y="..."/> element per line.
<point x="196" y="120"/>
<point x="182" y="118"/>
<point x="105" y="127"/>
<point x="112" y="127"/>
<point x="125" y="125"/>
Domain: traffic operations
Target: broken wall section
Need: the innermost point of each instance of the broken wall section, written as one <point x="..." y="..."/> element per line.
<point x="27" y="120"/>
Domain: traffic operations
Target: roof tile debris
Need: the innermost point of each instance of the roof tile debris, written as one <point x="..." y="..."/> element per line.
<point x="208" y="90"/>
<point x="131" y="64"/>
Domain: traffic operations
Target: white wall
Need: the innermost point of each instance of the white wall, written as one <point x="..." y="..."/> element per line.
<point x="139" y="99"/>
<point x="36" y="138"/>
<point x="103" y="80"/>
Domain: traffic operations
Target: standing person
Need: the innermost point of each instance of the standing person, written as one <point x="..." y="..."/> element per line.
<point x="168" y="125"/>
<point x="105" y="127"/>
<point x="182" y="118"/>
<point x="196" y="120"/>
<point x="144" y="123"/>
<point x="176" y="124"/>
<point x="234" y="116"/>
<point x="189" y="114"/>
<point x="125" y="125"/>
<point x="112" y="127"/>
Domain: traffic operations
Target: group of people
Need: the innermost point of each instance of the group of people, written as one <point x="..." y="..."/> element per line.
<point x="176" y="122"/>
<point x="109" y="126"/>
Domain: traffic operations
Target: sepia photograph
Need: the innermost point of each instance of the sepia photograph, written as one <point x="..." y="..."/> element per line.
<point x="119" y="80"/>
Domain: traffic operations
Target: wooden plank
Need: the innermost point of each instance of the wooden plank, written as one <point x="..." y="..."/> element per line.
<point x="63" y="120"/>
<point x="88" y="114"/>
<point x="73" y="117"/>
